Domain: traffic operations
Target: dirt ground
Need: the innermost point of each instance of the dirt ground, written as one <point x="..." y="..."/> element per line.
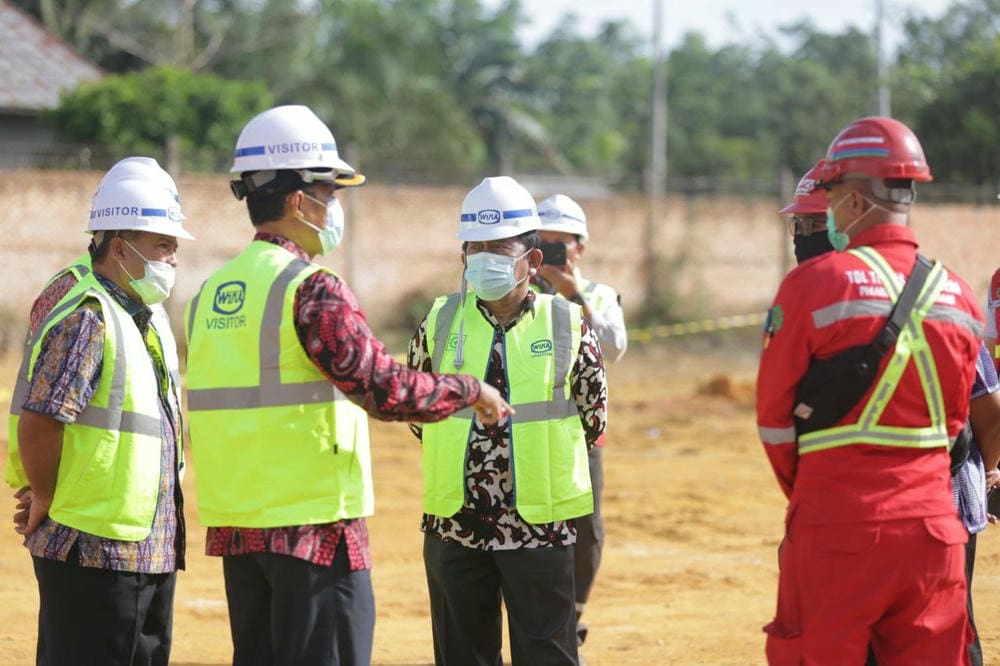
<point x="693" y="519"/>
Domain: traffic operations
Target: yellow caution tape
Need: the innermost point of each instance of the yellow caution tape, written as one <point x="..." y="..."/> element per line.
<point x="701" y="326"/>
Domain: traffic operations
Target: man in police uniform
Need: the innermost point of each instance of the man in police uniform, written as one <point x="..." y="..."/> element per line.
<point x="500" y="500"/>
<point x="873" y="546"/>
<point x="282" y="369"/>
<point x="97" y="449"/>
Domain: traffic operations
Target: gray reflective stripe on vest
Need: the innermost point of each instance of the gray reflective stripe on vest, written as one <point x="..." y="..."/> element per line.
<point x="441" y="327"/>
<point x="83" y="268"/>
<point x="270" y="392"/>
<point x="776" y="435"/>
<point x="561" y="345"/>
<point x="556" y="408"/>
<point x="113" y="417"/>
<point x="849" y="309"/>
<point x="21" y="384"/>
<point x="831" y="314"/>
<point x="192" y="309"/>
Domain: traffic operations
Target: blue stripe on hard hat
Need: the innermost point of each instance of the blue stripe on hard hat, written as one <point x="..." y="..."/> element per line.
<point x="468" y="217"/>
<point x="524" y="212"/>
<point x="153" y="212"/>
<point x="249" y="150"/>
<point x="329" y="146"/>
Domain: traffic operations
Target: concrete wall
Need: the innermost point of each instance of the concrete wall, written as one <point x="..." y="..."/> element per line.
<point x="718" y="256"/>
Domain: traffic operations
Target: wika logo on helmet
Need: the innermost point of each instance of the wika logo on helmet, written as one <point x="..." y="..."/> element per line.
<point x="488" y="216"/>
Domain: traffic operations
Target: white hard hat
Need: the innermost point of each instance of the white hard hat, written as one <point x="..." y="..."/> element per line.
<point x="140" y="167"/>
<point x="138" y="203"/>
<point x="290" y="138"/>
<point x="497" y="208"/>
<point x="560" y="213"/>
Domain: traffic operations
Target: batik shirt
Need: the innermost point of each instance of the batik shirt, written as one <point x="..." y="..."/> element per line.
<point x="66" y="374"/>
<point x="488" y="519"/>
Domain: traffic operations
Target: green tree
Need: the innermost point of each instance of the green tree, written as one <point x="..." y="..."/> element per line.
<point x="137" y="113"/>
<point x="945" y="86"/>
<point x="576" y="84"/>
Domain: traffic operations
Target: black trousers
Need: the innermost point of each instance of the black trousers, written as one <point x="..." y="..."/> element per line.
<point x="465" y="587"/>
<point x="589" y="541"/>
<point x="284" y="611"/>
<point x="96" y="617"/>
<point x="975" y="648"/>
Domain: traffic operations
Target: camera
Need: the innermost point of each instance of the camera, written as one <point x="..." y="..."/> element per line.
<point x="554" y="254"/>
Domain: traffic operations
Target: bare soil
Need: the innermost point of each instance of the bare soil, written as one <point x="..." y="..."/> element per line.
<point x="693" y="520"/>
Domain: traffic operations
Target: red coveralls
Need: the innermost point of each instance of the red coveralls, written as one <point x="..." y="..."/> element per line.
<point x="873" y="546"/>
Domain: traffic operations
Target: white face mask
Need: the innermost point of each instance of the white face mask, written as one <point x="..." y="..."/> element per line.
<point x="333" y="233"/>
<point x="492" y="275"/>
<point x="157" y="280"/>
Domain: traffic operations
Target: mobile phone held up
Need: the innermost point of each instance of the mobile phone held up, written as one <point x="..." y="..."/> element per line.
<point x="554" y="254"/>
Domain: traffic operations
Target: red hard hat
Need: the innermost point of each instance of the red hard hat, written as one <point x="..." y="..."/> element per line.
<point x="879" y="147"/>
<point x="809" y="200"/>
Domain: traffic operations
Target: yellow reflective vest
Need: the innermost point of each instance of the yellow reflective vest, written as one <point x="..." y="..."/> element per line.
<point x="109" y="470"/>
<point x="167" y="348"/>
<point x="548" y="449"/>
<point x="276" y="443"/>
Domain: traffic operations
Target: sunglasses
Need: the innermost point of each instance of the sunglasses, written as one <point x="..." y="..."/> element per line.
<point x="805" y="225"/>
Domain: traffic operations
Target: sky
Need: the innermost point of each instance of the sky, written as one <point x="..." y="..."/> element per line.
<point x="720" y="21"/>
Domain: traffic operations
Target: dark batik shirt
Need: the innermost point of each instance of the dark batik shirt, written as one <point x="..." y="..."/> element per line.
<point x="488" y="519"/>
<point x="334" y="333"/>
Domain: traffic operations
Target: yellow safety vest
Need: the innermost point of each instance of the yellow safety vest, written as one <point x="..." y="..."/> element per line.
<point x="276" y="443"/>
<point x="548" y="449"/>
<point x="167" y="347"/>
<point x="109" y="469"/>
<point x="912" y="343"/>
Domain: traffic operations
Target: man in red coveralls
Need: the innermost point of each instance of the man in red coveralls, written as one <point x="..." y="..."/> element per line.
<point x="873" y="549"/>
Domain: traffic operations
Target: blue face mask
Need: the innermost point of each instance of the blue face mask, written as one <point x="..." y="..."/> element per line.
<point x="492" y="275"/>
<point x="333" y="232"/>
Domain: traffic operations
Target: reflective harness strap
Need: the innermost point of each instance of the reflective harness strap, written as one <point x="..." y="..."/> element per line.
<point x="559" y="407"/>
<point x="270" y="391"/>
<point x="910" y="343"/>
